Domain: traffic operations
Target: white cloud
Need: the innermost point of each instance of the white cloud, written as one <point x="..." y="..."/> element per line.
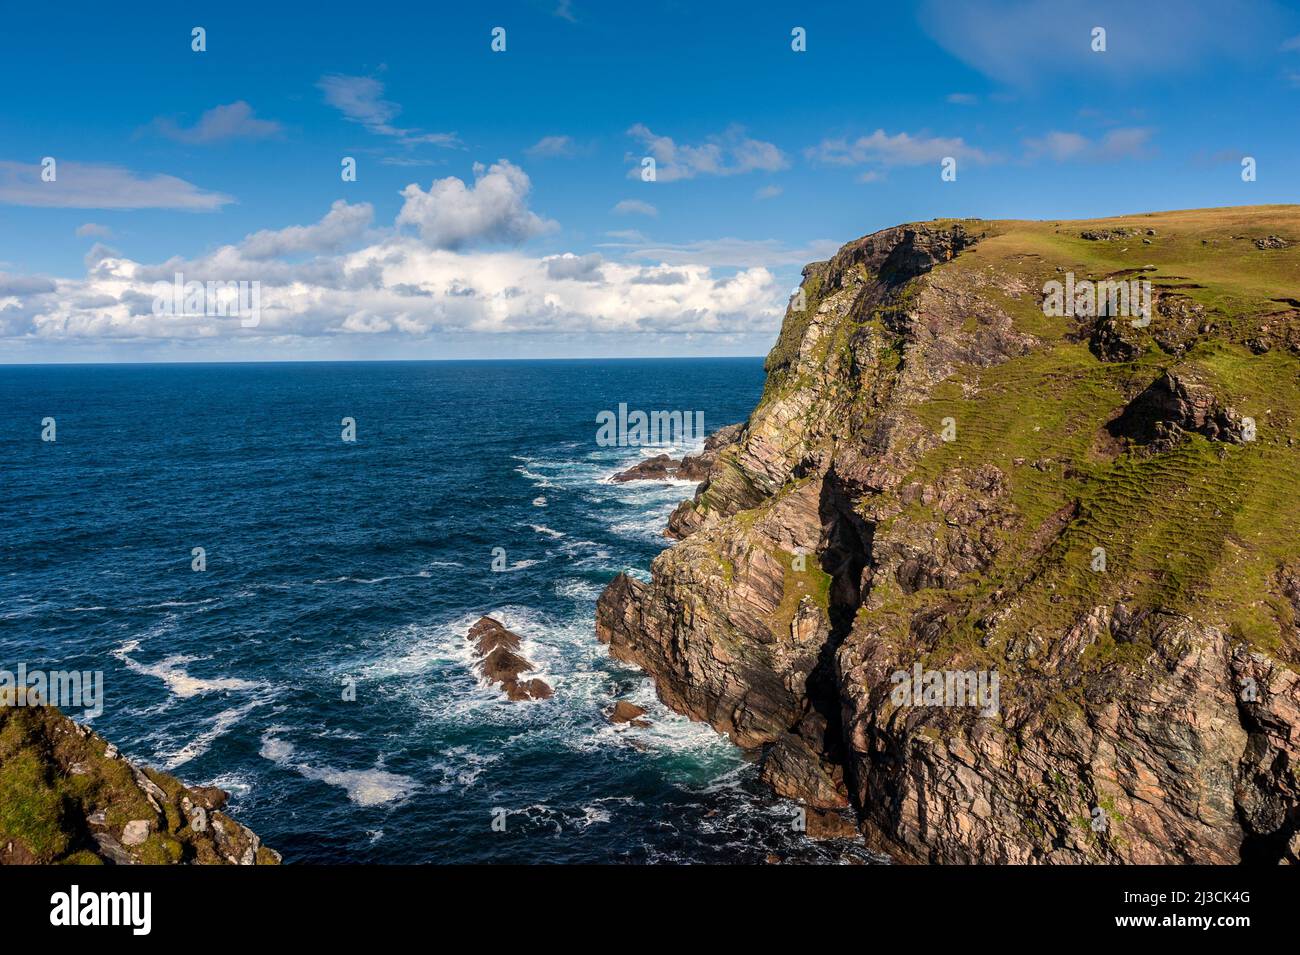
<point x="94" y="186"/>
<point x="768" y="192"/>
<point x="340" y="225"/>
<point x="398" y="287"/>
<point x="582" y="268"/>
<point x="451" y="215"/>
<point x="900" y="149"/>
<point x="95" y="230"/>
<point x="962" y="99"/>
<point x="728" y="154"/>
<point x="360" y="99"/>
<point x="634" y="207"/>
<point x="550" y="147"/>
<point x="1124" y="143"/>
<point x="232" y="121"/>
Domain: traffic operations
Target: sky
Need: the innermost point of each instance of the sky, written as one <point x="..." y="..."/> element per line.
<point x="499" y="207"/>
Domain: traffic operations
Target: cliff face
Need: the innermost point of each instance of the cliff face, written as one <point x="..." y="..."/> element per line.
<point x="67" y="796"/>
<point x="1093" y="514"/>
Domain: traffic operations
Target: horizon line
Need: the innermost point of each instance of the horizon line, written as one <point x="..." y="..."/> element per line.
<point x="372" y="361"/>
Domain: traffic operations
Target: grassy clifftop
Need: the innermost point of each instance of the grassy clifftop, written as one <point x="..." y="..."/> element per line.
<point x="67" y="796"/>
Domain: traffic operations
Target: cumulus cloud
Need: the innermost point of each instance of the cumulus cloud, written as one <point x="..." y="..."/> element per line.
<point x="398" y="286"/>
<point x="232" y="121"/>
<point x="361" y="100"/>
<point x="452" y="215"/>
<point x="583" y="268"/>
<point x="340" y="225"/>
<point x="81" y="185"/>
<point x="728" y="154"/>
<point x="1123" y="143"/>
<point x="94" y="229"/>
<point x="634" y="207"/>
<point x="900" y="149"/>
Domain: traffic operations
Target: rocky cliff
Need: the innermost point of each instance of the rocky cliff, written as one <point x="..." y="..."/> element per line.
<point x="67" y="796"/>
<point x="1089" y="514"/>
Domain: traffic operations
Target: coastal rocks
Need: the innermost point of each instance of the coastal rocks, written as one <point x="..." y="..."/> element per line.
<point x="692" y="467"/>
<point x="67" y="796"/>
<point x="661" y="467"/>
<point x="829" y="825"/>
<point x="629" y="713"/>
<point x="501" y="663"/>
<point x="1128" y="592"/>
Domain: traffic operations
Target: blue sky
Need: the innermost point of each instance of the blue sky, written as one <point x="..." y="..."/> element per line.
<point x="498" y="210"/>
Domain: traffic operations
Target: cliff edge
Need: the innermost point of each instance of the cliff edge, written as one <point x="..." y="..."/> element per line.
<point x="67" y="796"/>
<point x="1004" y="560"/>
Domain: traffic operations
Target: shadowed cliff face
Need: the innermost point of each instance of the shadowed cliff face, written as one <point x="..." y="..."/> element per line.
<point x="945" y="488"/>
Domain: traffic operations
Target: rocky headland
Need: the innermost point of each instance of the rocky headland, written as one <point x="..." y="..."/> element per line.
<point x="68" y="796"/>
<point x="1093" y="513"/>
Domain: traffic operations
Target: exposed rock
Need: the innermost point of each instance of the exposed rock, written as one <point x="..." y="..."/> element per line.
<point x="661" y="467"/>
<point x="1106" y="235"/>
<point x="692" y="467"/>
<point x="67" y="796"/>
<point x="1271" y="242"/>
<point x="625" y="712"/>
<point x="135" y="832"/>
<point x="1176" y="402"/>
<point x="1074" y="543"/>
<point x="500" y="662"/>
<point x="830" y="825"/>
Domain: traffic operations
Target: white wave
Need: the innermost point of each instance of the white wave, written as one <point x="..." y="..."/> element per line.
<point x="578" y="589"/>
<point x="462" y="767"/>
<point x="365" y="787"/>
<point x="171" y="670"/>
<point x="521" y="565"/>
<point x="543" y="529"/>
<point x="593" y="815"/>
<point x="219" y="726"/>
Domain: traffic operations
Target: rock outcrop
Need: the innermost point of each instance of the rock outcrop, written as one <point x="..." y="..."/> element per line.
<point x="692" y="467"/>
<point x="1001" y="597"/>
<point x="501" y="663"/>
<point x="67" y="796"/>
<point x="628" y="713"/>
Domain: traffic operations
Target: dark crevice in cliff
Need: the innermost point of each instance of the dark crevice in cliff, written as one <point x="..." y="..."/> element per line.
<point x="1268" y="823"/>
<point x="843" y="555"/>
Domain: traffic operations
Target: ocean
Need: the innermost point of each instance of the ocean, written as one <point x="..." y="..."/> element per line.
<point x="334" y="564"/>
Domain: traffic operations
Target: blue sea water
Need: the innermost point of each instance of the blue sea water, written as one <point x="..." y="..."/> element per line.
<point x="330" y="562"/>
